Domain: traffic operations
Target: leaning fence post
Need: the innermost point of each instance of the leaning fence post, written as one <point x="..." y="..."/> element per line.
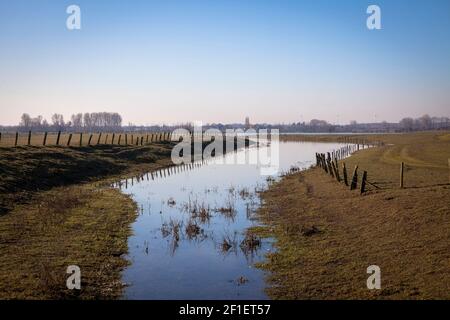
<point x="344" y="172"/>
<point x="354" y="183"/>
<point x="89" y="141"/>
<point x="363" y="182"/>
<point x="29" y="138"/>
<point x="324" y="161"/>
<point x="17" y="138"/>
<point x="58" y="137"/>
<point x="402" y="167"/>
<point x="330" y="168"/>
<point x="68" y="141"/>
<point x="99" y="137"/>
<point x="45" y="139"/>
<point x="120" y="138"/>
<point x="336" y="171"/>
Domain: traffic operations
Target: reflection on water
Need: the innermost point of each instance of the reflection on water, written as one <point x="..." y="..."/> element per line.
<point x="190" y="240"/>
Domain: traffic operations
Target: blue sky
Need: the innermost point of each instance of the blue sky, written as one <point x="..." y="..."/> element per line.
<point x="219" y="61"/>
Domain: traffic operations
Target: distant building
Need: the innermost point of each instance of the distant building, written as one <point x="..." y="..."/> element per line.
<point x="247" y="123"/>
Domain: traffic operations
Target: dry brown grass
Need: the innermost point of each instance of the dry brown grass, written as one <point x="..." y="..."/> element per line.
<point x="83" y="226"/>
<point x="404" y="231"/>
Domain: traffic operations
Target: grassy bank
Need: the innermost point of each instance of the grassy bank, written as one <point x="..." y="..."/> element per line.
<point x="327" y="236"/>
<point x="83" y="226"/>
<point x="53" y="216"/>
<point x="57" y="210"/>
<point x="27" y="170"/>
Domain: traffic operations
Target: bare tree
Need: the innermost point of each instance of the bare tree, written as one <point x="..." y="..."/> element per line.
<point x="407" y="124"/>
<point x="58" y="120"/>
<point x="25" y="120"/>
<point x="77" y="120"/>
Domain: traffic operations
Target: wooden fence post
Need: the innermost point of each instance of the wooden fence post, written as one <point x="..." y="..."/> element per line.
<point x="142" y="141"/>
<point x="336" y="171"/>
<point x="106" y="139"/>
<point x="113" y="138"/>
<point x="132" y="139"/>
<point x="70" y="139"/>
<point x="99" y="137"/>
<point x="344" y="172"/>
<point x="120" y="138"/>
<point x="58" y="137"/>
<point x="126" y="139"/>
<point x="146" y="140"/>
<point x="81" y="139"/>
<point x="45" y="139"/>
<point x="448" y="165"/>
<point x="402" y="166"/>
<point x="0" y="137"/>
<point x="90" y="138"/>
<point x="330" y="168"/>
<point x="363" y="182"/>
<point x="324" y="161"/>
<point x="29" y="138"/>
<point x="17" y="138"/>
<point x="354" y="182"/>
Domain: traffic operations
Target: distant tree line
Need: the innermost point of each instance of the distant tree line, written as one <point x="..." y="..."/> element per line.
<point x="88" y="121"/>
<point x="112" y="122"/>
<point x="425" y="122"/>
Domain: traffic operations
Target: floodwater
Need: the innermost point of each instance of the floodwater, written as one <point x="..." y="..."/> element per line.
<point x="190" y="241"/>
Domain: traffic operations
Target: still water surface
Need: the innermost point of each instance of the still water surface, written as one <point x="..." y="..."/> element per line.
<point x="189" y="240"/>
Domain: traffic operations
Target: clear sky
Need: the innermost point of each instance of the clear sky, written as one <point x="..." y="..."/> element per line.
<point x="219" y="61"/>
